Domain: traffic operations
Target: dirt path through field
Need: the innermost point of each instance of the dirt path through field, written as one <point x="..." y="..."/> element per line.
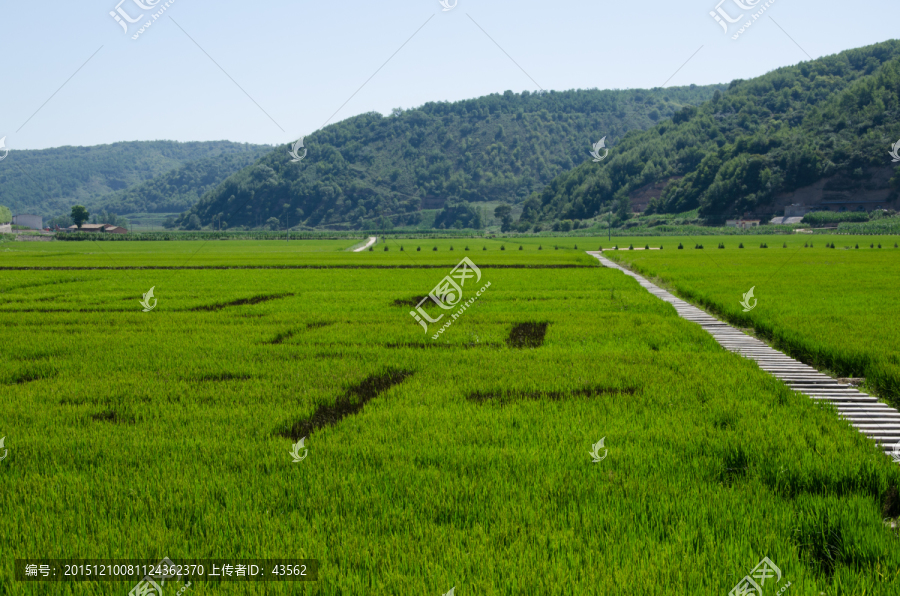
<point x="370" y="242"/>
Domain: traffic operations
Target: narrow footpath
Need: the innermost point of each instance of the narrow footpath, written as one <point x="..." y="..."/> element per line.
<point x="370" y="242"/>
<point x="876" y="420"/>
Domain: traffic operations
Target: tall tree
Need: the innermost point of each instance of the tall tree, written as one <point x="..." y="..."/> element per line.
<point x="79" y="215"/>
<point x="504" y="214"/>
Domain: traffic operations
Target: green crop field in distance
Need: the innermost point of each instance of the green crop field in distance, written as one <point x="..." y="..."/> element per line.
<point x="273" y="253"/>
<point x="458" y="462"/>
<point x="266" y="253"/>
<point x="832" y="308"/>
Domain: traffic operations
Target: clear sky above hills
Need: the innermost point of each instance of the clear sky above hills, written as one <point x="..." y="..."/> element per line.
<point x="268" y="72"/>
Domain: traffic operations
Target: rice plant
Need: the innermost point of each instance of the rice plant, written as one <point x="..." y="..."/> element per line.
<point x="180" y="432"/>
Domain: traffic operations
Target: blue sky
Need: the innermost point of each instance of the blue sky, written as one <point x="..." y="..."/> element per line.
<point x="268" y="72"/>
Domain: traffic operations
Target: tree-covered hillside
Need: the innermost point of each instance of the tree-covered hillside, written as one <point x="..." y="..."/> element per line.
<point x="772" y="134"/>
<point x="49" y="181"/>
<point x="494" y="148"/>
<point x="181" y="188"/>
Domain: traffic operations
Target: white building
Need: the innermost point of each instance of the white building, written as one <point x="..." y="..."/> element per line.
<point x="742" y="223"/>
<point x="786" y="220"/>
<point x="35" y="222"/>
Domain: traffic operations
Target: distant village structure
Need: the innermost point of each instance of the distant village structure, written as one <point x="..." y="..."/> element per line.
<point x="35" y="222"/>
<point x="102" y="228"/>
<point x="793" y="214"/>
<point x="742" y="223"/>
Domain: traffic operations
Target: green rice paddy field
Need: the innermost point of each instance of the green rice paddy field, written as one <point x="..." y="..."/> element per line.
<point x="831" y="308"/>
<point x="461" y="462"/>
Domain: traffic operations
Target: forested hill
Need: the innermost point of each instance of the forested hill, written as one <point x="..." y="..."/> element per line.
<point x="50" y="181"/>
<point x="835" y="116"/>
<point x="181" y="188"/>
<point x="494" y="148"/>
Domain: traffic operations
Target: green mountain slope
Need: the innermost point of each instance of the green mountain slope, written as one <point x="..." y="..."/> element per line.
<point x="50" y="181"/>
<point x="181" y="188"/>
<point x="829" y="121"/>
<point x="494" y="148"/>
